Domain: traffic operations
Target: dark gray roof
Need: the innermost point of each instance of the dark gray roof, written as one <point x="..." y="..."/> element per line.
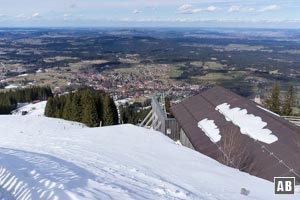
<point x="281" y="158"/>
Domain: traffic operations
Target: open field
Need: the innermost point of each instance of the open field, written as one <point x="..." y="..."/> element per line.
<point x="221" y="76"/>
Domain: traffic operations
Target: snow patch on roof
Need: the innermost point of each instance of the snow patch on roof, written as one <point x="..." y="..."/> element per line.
<point x="210" y="129"/>
<point x="249" y="124"/>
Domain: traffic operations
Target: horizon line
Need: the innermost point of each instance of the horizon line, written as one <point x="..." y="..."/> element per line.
<point x="144" y="27"/>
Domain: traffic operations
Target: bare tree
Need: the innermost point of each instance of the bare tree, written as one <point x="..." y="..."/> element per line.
<point x="234" y="152"/>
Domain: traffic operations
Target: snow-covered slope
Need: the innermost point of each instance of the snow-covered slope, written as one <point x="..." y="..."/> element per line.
<point x="44" y="158"/>
<point x="36" y="109"/>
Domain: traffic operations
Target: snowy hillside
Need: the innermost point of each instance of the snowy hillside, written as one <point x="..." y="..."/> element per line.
<point x="44" y="158"/>
<point x="36" y="109"/>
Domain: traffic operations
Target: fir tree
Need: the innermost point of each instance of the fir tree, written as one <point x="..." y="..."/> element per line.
<point x="9" y="99"/>
<point x="76" y="108"/>
<point x="89" y="115"/>
<point x="86" y="106"/>
<point x="67" y="111"/>
<point x="114" y="111"/>
<point x="108" y="118"/>
<point x="288" y="104"/>
<point x="59" y="106"/>
<point x="49" y="110"/>
<point x="273" y="103"/>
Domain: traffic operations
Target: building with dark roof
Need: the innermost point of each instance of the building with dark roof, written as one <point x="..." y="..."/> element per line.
<point x="271" y="143"/>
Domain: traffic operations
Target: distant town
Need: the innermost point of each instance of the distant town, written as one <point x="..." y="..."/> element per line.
<point x="137" y="64"/>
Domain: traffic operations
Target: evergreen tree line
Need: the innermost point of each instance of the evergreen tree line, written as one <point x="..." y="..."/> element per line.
<point x="133" y="114"/>
<point x="136" y="112"/>
<point x="10" y="99"/>
<point x="85" y="106"/>
<point x="275" y="104"/>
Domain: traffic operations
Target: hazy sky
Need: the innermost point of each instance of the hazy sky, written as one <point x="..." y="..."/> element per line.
<point x="190" y="13"/>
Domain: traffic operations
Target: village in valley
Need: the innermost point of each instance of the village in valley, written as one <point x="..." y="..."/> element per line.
<point x="101" y="59"/>
<point x="235" y="102"/>
<point x="149" y="100"/>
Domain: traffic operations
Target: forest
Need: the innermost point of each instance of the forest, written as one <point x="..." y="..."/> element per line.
<point x="133" y="114"/>
<point x="137" y="112"/>
<point x="93" y="108"/>
<point x="9" y="100"/>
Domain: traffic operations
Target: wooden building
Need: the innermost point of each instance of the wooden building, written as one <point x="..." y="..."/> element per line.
<point x="207" y="120"/>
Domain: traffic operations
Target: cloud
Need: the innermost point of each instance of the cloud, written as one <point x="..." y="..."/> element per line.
<point x="21" y="17"/>
<point x="67" y="16"/>
<point x="136" y="11"/>
<point x="186" y="9"/>
<point x="252" y="9"/>
<point x="70" y="16"/>
<point x="36" y="15"/>
<point x="211" y="9"/>
<point x="269" y="8"/>
<point x="193" y="20"/>
<point x="235" y="9"/>
<point x="151" y="7"/>
<point x="189" y="9"/>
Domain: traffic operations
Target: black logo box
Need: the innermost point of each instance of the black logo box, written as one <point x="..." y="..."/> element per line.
<point x="284" y="185"/>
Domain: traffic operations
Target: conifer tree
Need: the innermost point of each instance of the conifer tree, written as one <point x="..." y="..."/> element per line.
<point x="67" y="111"/>
<point x="49" y="110"/>
<point x="56" y="107"/>
<point x="89" y="115"/>
<point x="86" y="106"/>
<point x="59" y="106"/>
<point x="9" y="99"/>
<point x="108" y="118"/>
<point x="76" y="108"/>
<point x="273" y="103"/>
<point x="288" y="104"/>
<point x="114" y="111"/>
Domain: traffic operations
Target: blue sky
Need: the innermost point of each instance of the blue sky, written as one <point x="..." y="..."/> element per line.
<point x="165" y="13"/>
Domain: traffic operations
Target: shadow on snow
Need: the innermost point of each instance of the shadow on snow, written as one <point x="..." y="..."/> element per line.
<point x="27" y="175"/>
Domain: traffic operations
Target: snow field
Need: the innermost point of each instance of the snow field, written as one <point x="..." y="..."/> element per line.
<point x="51" y="159"/>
